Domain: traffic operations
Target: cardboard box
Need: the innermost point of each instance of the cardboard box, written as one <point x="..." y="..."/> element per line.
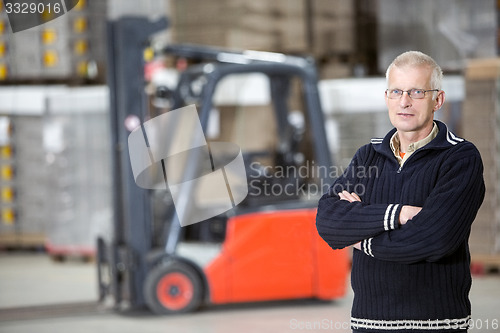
<point x="481" y="109"/>
<point x="275" y="7"/>
<point x="483" y="69"/>
<point x="239" y="124"/>
<point x="333" y="8"/>
<point x="333" y="36"/>
<point x="335" y="69"/>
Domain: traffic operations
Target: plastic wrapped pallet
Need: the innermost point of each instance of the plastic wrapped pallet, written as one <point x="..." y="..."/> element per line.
<point x="22" y="166"/>
<point x="463" y="29"/>
<point x="77" y="148"/>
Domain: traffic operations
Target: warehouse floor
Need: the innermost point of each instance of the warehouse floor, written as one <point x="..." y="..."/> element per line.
<point x="39" y="295"/>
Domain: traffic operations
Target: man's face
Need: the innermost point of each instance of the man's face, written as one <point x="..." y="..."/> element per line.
<point x="412" y="115"/>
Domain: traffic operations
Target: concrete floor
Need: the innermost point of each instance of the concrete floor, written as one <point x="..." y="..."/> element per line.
<point x="39" y="295"/>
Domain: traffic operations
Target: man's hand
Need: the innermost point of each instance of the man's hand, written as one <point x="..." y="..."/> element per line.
<point x="407" y="213"/>
<point x="351" y="197"/>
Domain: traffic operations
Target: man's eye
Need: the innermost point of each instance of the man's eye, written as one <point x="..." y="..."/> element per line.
<point x="417" y="91"/>
<point x="396" y="91"/>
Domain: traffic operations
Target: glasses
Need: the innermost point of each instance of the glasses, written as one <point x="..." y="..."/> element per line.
<point x="413" y="93"/>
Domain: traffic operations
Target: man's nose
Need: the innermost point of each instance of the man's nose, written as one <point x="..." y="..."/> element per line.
<point x="405" y="100"/>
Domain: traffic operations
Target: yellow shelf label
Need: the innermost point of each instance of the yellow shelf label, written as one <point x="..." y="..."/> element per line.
<point x="6" y="152"/>
<point x="80" y="25"/>
<point x="3" y="71"/>
<point x="8" y="216"/>
<point x="7" y="194"/>
<point x="50" y="58"/>
<point x="49" y="36"/>
<point x="6" y="172"/>
<point x="80" y="47"/>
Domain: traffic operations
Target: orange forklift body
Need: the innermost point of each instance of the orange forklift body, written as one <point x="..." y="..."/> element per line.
<point x="276" y="255"/>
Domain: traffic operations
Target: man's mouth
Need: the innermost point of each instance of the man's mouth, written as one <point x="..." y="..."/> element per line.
<point x="405" y="114"/>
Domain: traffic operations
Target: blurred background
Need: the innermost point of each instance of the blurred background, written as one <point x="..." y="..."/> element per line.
<point x="73" y="88"/>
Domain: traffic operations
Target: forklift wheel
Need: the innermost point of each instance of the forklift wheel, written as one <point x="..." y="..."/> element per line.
<point x="172" y="288"/>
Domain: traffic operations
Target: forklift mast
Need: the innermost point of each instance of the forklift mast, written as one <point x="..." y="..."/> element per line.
<point x="127" y="38"/>
<point x="131" y="253"/>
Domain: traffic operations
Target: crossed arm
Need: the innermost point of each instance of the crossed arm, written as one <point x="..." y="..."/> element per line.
<point x="398" y="231"/>
<point x="407" y="211"/>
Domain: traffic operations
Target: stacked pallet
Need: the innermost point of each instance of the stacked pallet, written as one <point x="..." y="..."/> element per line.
<point x="22" y="170"/>
<point x="333" y="37"/>
<point x="3" y="42"/>
<point x="68" y="47"/>
<point x="333" y="27"/>
<point x="467" y="31"/>
<point x="325" y="29"/>
<point x="481" y="116"/>
<point x="78" y="177"/>
<point x="258" y="25"/>
<point x="54" y="168"/>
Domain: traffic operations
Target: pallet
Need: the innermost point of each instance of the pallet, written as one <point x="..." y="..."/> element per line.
<point x="482" y="264"/>
<point x="22" y="241"/>
<point x="61" y="253"/>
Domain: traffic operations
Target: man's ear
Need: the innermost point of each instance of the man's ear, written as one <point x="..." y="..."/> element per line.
<point x="439" y="101"/>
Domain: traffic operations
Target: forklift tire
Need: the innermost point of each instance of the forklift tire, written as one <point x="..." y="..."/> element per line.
<point x="173" y="288"/>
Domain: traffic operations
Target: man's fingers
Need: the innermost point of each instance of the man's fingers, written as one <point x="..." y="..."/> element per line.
<point x="351" y="197"/>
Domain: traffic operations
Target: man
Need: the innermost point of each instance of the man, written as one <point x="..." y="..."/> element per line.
<point x="411" y="223"/>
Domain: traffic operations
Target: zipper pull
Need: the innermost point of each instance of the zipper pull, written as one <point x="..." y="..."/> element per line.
<point x="399" y="170"/>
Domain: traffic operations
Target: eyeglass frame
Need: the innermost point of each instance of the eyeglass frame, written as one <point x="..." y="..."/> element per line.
<point x="409" y="92"/>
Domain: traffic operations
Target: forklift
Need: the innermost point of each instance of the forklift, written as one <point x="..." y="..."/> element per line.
<point x="263" y="249"/>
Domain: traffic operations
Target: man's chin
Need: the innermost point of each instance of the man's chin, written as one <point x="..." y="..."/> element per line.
<point x="404" y="126"/>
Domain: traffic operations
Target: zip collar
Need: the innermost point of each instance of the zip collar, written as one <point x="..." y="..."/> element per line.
<point x="444" y="140"/>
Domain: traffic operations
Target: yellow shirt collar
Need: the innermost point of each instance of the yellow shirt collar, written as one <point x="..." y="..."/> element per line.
<point x="395" y="144"/>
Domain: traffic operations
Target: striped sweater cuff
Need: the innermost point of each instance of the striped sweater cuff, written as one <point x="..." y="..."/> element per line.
<point x="366" y="247"/>
<point x="391" y="222"/>
<point x="391" y="217"/>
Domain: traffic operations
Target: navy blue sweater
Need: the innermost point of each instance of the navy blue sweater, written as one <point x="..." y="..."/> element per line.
<point x="415" y="276"/>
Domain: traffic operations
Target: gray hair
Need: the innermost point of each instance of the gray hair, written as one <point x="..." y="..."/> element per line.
<point x="417" y="59"/>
